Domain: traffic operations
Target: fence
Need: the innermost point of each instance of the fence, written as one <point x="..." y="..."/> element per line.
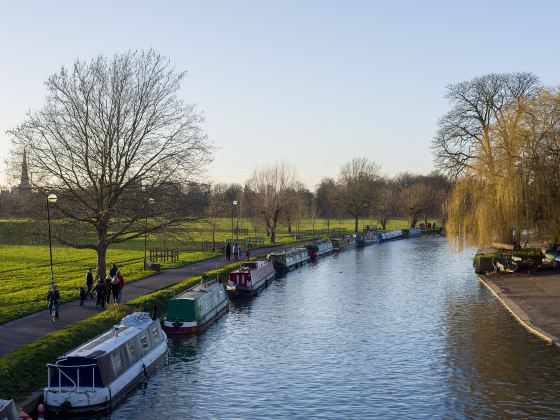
<point x="164" y="254"/>
<point x="310" y="233"/>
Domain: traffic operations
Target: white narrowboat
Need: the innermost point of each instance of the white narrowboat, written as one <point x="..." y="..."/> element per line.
<point x="284" y="261"/>
<point x="93" y="377"/>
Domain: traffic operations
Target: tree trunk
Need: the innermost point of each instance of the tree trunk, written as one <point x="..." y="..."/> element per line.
<point x="289" y="227"/>
<point x="101" y="270"/>
<point x="272" y="235"/>
<point x="356" y="224"/>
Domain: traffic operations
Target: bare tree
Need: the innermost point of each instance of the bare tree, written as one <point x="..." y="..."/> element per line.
<point x="387" y="199"/>
<point x="271" y="186"/>
<point x="356" y="180"/>
<point x="112" y="134"/>
<point x="217" y="207"/>
<point x="478" y="106"/>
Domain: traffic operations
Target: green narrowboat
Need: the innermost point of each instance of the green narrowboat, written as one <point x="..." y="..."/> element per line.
<point x="196" y="308"/>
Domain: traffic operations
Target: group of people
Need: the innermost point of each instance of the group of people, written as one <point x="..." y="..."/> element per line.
<point x="236" y="252"/>
<point x="104" y="289"/>
<point x="112" y="285"/>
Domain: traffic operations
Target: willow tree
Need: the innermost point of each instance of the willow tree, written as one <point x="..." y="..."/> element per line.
<point x="112" y="137"/>
<point x="499" y="140"/>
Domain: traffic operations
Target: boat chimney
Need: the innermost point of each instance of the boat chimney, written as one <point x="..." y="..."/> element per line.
<point x="116" y="329"/>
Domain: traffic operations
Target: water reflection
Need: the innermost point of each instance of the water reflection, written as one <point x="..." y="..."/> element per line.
<point x="398" y="330"/>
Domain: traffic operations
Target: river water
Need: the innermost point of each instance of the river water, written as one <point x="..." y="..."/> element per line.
<point x="396" y="330"/>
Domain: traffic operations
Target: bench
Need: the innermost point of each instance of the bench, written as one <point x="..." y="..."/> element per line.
<point x="153" y="266"/>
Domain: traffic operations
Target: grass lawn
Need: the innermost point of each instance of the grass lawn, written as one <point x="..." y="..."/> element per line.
<point x="25" y="271"/>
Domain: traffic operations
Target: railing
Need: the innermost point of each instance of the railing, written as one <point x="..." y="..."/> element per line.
<point x="75" y="383"/>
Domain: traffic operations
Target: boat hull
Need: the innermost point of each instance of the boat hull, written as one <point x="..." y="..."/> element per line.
<point x="194" y="327"/>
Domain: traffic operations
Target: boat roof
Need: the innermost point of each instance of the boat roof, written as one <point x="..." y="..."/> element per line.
<point x="130" y="326"/>
<point x="197" y="291"/>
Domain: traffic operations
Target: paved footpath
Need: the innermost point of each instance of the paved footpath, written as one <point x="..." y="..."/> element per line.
<point x="534" y="300"/>
<point x="22" y="331"/>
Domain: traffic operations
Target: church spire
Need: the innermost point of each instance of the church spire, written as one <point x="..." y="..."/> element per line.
<point x="24" y="180"/>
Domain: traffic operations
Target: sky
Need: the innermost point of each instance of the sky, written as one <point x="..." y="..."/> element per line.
<point x="313" y="83"/>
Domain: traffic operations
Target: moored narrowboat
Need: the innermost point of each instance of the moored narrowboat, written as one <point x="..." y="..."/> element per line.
<point x="196" y="308"/>
<point x="366" y="238"/>
<point x="290" y="259"/>
<point x="95" y="376"/>
<point x="343" y="243"/>
<point x="388" y="236"/>
<point x="8" y="410"/>
<point x="250" y="278"/>
<point x="411" y="233"/>
<point x="319" y="249"/>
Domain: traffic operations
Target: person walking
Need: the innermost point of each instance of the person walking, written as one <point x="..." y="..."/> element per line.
<point x="113" y="270"/>
<point x="89" y="283"/>
<point x="228" y="251"/>
<point x="236" y="251"/>
<point x="121" y="285"/>
<point x="83" y="295"/>
<point x="101" y="291"/>
<point x="108" y="286"/>
<point x="115" y="288"/>
<point x="53" y="299"/>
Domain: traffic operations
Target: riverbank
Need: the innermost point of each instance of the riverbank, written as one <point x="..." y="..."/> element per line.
<point x="531" y="299"/>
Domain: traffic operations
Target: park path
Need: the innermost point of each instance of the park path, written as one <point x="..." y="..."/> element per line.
<point x="25" y="330"/>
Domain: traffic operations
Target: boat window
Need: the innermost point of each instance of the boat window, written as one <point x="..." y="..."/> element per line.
<point x="117" y="361"/>
<point x="155" y="333"/>
<point x="131" y="353"/>
<point x="144" y="342"/>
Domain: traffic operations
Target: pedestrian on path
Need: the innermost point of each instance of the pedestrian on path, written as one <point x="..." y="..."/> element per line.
<point x="121" y="285"/>
<point x="108" y="286"/>
<point x="115" y="288"/>
<point x="101" y="291"/>
<point x="228" y="251"/>
<point x="53" y="299"/>
<point x="113" y="270"/>
<point x="83" y="295"/>
<point x="248" y="255"/>
<point x="236" y="251"/>
<point x="89" y="283"/>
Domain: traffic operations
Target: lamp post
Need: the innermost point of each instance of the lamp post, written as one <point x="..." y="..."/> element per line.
<point x="51" y="198"/>
<point x="236" y="233"/>
<point x="150" y="202"/>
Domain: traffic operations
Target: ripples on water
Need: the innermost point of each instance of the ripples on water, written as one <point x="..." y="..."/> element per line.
<point x="397" y="330"/>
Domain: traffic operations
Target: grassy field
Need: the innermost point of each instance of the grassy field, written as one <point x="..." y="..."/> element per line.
<point x="25" y="271"/>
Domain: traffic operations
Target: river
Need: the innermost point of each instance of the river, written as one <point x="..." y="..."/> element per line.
<point x="396" y="330"/>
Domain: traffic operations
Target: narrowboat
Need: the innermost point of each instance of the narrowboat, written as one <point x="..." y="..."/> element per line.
<point x="366" y="238"/>
<point x="93" y="377"/>
<point x="8" y="410"/>
<point x="387" y="236"/>
<point x="250" y="278"/>
<point x="287" y="260"/>
<point x="411" y="233"/>
<point x="319" y="249"/>
<point x="196" y="308"/>
<point x="343" y="243"/>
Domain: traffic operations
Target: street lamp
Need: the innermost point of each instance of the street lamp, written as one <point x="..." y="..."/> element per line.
<point x="51" y="198"/>
<point x="234" y="203"/>
<point x="150" y="202"/>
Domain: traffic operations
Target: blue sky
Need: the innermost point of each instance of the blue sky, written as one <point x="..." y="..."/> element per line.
<point x="311" y="82"/>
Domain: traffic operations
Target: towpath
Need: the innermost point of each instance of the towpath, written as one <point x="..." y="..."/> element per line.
<point x="22" y="331"/>
<point x="532" y="299"/>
